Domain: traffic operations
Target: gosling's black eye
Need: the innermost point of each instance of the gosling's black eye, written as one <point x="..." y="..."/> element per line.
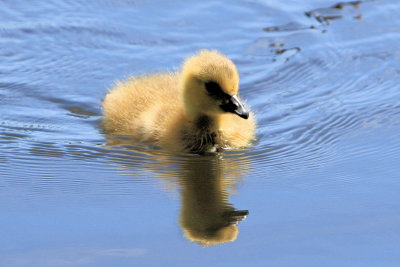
<point x="215" y="91"/>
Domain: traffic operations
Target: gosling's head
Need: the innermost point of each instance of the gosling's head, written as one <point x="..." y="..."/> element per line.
<point x="210" y="82"/>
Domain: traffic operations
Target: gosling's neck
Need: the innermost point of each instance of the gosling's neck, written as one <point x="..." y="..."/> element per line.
<point x="206" y="124"/>
<point x="204" y="134"/>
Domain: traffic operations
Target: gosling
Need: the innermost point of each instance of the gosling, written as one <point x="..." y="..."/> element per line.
<point x="195" y="110"/>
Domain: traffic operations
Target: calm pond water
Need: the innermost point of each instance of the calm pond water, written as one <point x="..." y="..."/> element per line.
<point x="320" y="186"/>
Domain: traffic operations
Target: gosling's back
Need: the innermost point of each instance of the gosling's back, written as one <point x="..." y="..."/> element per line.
<point x="143" y="107"/>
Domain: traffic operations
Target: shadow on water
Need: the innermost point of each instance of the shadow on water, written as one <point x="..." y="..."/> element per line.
<point x="323" y="17"/>
<point x="337" y="11"/>
<point x="204" y="182"/>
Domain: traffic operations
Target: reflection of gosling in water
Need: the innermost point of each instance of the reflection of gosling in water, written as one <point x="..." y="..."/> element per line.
<point x="207" y="217"/>
<point x="197" y="109"/>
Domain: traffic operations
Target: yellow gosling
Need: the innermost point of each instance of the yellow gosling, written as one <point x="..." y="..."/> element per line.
<point x="195" y="110"/>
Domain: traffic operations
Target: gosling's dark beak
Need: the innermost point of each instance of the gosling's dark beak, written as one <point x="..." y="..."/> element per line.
<point x="235" y="106"/>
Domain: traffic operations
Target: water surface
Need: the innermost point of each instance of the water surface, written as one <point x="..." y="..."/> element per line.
<point x="319" y="186"/>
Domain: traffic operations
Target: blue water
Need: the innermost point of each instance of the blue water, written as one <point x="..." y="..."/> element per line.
<point x="321" y="184"/>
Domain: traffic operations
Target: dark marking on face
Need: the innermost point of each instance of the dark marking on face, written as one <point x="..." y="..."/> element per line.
<point x="215" y="91"/>
<point x="227" y="102"/>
